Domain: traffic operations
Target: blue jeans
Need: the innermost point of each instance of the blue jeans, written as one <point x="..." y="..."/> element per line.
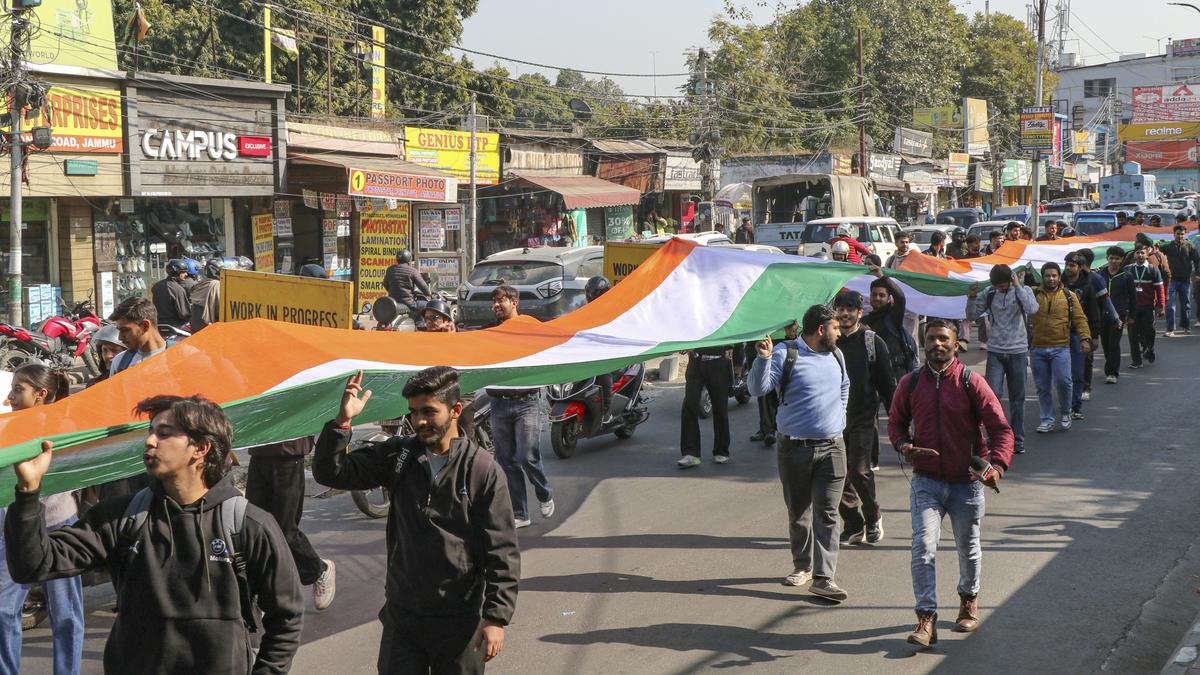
<point x="1052" y="367"/>
<point x="1179" y="290"/>
<point x="1010" y="368"/>
<point x="517" y="431"/>
<point x="64" y="601"/>
<point x="930" y="501"/>
<point x="1078" y="368"/>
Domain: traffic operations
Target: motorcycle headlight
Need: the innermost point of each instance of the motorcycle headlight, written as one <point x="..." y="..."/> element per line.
<point x="550" y="288"/>
<point x="554" y="391"/>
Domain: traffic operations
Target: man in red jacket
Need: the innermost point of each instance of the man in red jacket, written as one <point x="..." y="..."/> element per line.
<point x="857" y="248"/>
<point x="935" y="422"/>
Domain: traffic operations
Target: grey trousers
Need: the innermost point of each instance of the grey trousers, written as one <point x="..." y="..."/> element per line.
<point x="813" y="478"/>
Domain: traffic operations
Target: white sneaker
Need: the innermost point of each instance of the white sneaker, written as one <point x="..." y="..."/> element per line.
<point x="547" y="508"/>
<point x="798" y="578"/>
<point x="721" y="459"/>
<point x="1086" y="396"/>
<point x="1110" y="379"/>
<point x="688" y="461"/>
<point x="325" y="586"/>
<point x="1046" y="427"/>
<point x="1065" y="423"/>
<point x="518" y="523"/>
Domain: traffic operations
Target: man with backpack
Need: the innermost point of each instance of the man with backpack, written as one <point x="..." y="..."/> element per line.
<point x="1057" y="316"/>
<point x="137" y="328"/>
<point x="452" y="556"/>
<point x="868" y="366"/>
<point x="1008" y="306"/>
<point x="936" y="421"/>
<point x="811" y="450"/>
<point x="189" y="556"/>
<point x="1092" y="294"/>
<point x="1149" y="300"/>
<point x="889" y="319"/>
<point x="1121" y="291"/>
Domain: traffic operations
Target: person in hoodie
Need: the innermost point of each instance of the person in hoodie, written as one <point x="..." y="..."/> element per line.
<point x="205" y="296"/>
<point x="452" y="557"/>
<point x="177" y="588"/>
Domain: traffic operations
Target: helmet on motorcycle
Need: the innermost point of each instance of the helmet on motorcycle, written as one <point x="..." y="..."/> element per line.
<point x="108" y="333"/>
<point x="404" y="256"/>
<point x="437" y="307"/>
<point x="244" y="263"/>
<point x="840" y="248"/>
<point x="213" y="266"/>
<point x="193" y="267"/>
<point x="958" y="232"/>
<point x="596" y="287"/>
<point x="175" y="267"/>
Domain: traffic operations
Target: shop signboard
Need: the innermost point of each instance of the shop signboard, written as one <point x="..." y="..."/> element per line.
<point x="1166" y="103"/>
<point x="1016" y="173"/>
<point x="957" y="164"/>
<point x="450" y="152"/>
<point x="883" y="166"/>
<point x="407" y="186"/>
<point x="1163" y="154"/>
<point x="74" y="33"/>
<point x="976" y="140"/>
<point x="378" y="59"/>
<point x="1083" y="143"/>
<point x="622" y="258"/>
<point x="81" y="120"/>
<point x="938" y="117"/>
<point x="984" y="181"/>
<point x="682" y="173"/>
<point x="380" y="235"/>
<point x="287" y="298"/>
<point x="264" y="241"/>
<point x="443" y="271"/>
<point x="433" y="234"/>
<point x="1037" y="128"/>
<point x="618" y="222"/>
<point x="913" y="142"/>
<point x="1158" y="131"/>
<point x="1185" y="47"/>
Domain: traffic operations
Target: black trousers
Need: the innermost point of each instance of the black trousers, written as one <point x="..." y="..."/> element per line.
<point x="715" y="375"/>
<point x="438" y="645"/>
<point x="860" y="506"/>
<point x="276" y="485"/>
<point x="1110" y="338"/>
<point x="768" y="410"/>
<point x="1141" y="332"/>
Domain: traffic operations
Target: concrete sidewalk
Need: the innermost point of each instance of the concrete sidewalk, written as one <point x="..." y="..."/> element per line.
<point x="1185" y="659"/>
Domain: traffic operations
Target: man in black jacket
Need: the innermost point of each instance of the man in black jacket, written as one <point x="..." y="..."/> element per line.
<point x="184" y="599"/>
<point x="1120" y="289"/>
<point x="405" y="284"/>
<point x="887" y="319"/>
<point x="868" y="365"/>
<point x="453" y="562"/>
<point x="170" y="296"/>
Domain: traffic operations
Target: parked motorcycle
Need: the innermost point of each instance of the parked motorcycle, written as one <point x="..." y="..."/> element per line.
<point x="475" y="423"/>
<point x="575" y="410"/>
<point x="739" y="392"/>
<point x="57" y="341"/>
<point x="173" y="333"/>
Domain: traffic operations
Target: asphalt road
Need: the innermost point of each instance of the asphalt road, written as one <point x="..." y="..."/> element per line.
<point x="1090" y="560"/>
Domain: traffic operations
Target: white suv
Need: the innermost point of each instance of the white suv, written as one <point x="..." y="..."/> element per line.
<point x="876" y="233"/>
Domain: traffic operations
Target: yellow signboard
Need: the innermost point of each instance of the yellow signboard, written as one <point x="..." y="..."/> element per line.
<point x="939" y="117"/>
<point x="264" y="242"/>
<point x="380" y="235"/>
<point x="1159" y="131"/>
<point x="74" y="33"/>
<point x="283" y="297"/>
<point x="450" y="151"/>
<point x="622" y="258"/>
<point x="378" y="73"/>
<point x="80" y="119"/>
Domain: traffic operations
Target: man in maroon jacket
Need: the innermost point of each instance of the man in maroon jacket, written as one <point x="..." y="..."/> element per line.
<point x="935" y="422"/>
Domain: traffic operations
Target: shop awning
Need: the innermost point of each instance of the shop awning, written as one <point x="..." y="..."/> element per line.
<point x="363" y="162"/>
<point x="887" y="184"/>
<point x="585" y="192"/>
<point x="624" y="147"/>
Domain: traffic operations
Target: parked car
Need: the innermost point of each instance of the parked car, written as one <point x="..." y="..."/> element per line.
<point x="922" y="234"/>
<point x="1133" y="207"/>
<point x="1017" y="213"/>
<point x="786" y="236"/>
<point x="702" y="238"/>
<point x="961" y="217"/>
<point x="877" y="233"/>
<point x="550" y="281"/>
<point x="984" y="229"/>
<point x="1069" y="205"/>
<point x="1167" y="214"/>
<point x="1185" y="204"/>
<point x="1088" y="223"/>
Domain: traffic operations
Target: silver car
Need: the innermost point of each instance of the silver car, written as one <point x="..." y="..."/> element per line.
<point x="550" y="281"/>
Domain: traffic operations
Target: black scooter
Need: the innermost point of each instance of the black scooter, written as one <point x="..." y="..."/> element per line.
<point x="575" y="409"/>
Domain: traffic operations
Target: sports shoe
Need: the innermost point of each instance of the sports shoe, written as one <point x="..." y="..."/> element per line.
<point x="1065" y="423"/>
<point x="827" y="589"/>
<point x="757" y="437"/>
<point x="855" y="537"/>
<point x="688" y="461"/>
<point x="1186" y="331"/>
<point x="1135" y="365"/>
<point x="1019" y="449"/>
<point x="797" y="578"/>
<point x="721" y="459"/>
<point x="1086" y="396"/>
<point x="547" y="508"/>
<point x="518" y="523"/>
<point x="1150" y="355"/>
<point x="1047" y="427"/>
<point x="874" y="532"/>
<point x="1110" y="379"/>
<point x="325" y="586"/>
<point x="769" y="439"/>
<point x="1077" y="415"/>
<point x="874" y="467"/>
<point x="1170" y="333"/>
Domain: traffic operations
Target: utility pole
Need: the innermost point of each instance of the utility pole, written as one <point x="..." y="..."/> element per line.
<point x="1041" y="60"/>
<point x="706" y="182"/>
<point x="16" y="74"/>
<point x="470" y="239"/>
<point x="862" y="113"/>
<point x="1108" y="104"/>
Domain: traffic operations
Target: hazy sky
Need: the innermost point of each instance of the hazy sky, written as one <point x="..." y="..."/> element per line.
<point x="619" y="35"/>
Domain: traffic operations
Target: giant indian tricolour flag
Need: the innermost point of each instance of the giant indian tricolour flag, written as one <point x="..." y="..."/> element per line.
<point x="279" y="381"/>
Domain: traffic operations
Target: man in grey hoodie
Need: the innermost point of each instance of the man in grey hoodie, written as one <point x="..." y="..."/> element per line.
<point x="1009" y="305"/>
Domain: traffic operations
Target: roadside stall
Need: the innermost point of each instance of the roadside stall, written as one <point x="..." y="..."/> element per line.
<point x="532" y="211"/>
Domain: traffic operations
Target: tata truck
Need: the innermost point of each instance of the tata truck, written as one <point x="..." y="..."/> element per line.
<point x="783" y="205"/>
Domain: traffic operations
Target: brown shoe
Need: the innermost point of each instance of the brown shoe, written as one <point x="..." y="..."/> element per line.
<point x="925" y="633"/>
<point x="968" y="614"/>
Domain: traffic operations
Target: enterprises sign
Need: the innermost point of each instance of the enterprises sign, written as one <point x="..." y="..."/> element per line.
<point x="81" y="120"/>
<point x="450" y="152"/>
<point x="1037" y="128"/>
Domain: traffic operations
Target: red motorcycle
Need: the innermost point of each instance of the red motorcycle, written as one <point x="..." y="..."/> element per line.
<point x="57" y="341"/>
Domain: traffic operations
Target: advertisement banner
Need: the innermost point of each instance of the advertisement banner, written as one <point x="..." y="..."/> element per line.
<point x="74" y="33"/>
<point x="976" y="141"/>
<point x="444" y="271"/>
<point x="618" y="222"/>
<point x="263" y="227"/>
<point x="407" y="186"/>
<point x="1016" y="173"/>
<point x="1056" y="154"/>
<point x="378" y="74"/>
<point x="1158" y="131"/>
<point x="1185" y="47"/>
<point x="1166" y="103"/>
<point x="1084" y="143"/>
<point x="682" y="173"/>
<point x="285" y="297"/>
<point x="883" y="166"/>
<point x="380" y="235"/>
<point x="80" y="119"/>
<point x="1162" y="154"/>
<point x="984" y="182"/>
<point x="913" y="142"/>
<point x="938" y="117"/>
<point x="1037" y="128"/>
<point x="450" y="152"/>
<point x="957" y="164"/>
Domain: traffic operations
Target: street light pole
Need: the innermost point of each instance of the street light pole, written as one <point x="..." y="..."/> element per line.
<point x="1037" y="155"/>
<point x="16" y="114"/>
